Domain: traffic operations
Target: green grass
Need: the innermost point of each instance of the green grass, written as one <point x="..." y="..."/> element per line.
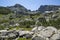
<point x="18" y="28"/>
<point x="24" y="39"/>
<point x="1" y="15"/>
<point x="28" y="29"/>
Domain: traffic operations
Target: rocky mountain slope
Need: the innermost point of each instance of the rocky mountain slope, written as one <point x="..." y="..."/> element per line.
<point x="44" y="8"/>
<point x="18" y="8"/>
<point x="22" y="10"/>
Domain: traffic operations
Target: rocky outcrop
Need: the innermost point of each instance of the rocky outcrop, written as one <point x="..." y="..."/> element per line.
<point x="48" y="33"/>
<point x="37" y="33"/>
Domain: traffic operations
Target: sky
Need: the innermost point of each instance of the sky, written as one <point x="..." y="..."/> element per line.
<point x="29" y="4"/>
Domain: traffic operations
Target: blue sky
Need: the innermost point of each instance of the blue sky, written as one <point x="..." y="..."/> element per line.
<point x="29" y="4"/>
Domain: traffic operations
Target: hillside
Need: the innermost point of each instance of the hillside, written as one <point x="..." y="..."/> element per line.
<point x="34" y="26"/>
<point x="4" y="10"/>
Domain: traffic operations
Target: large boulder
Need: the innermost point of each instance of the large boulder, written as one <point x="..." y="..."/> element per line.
<point x="11" y="35"/>
<point x="28" y="36"/>
<point x="55" y="37"/>
<point x="39" y="35"/>
<point x="22" y="33"/>
<point x="59" y="31"/>
<point x="38" y="38"/>
<point x="48" y="32"/>
<point x="8" y="34"/>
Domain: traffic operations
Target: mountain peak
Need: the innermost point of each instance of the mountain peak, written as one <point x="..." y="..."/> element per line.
<point x="18" y="5"/>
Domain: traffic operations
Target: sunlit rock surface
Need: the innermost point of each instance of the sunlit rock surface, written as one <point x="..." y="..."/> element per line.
<point x="37" y="33"/>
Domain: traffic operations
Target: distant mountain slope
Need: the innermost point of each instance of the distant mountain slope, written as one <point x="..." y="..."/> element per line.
<point x="4" y="10"/>
<point x="18" y="8"/>
<point x="44" y="8"/>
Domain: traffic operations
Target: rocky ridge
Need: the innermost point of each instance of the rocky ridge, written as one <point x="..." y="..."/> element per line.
<point x="44" y="8"/>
